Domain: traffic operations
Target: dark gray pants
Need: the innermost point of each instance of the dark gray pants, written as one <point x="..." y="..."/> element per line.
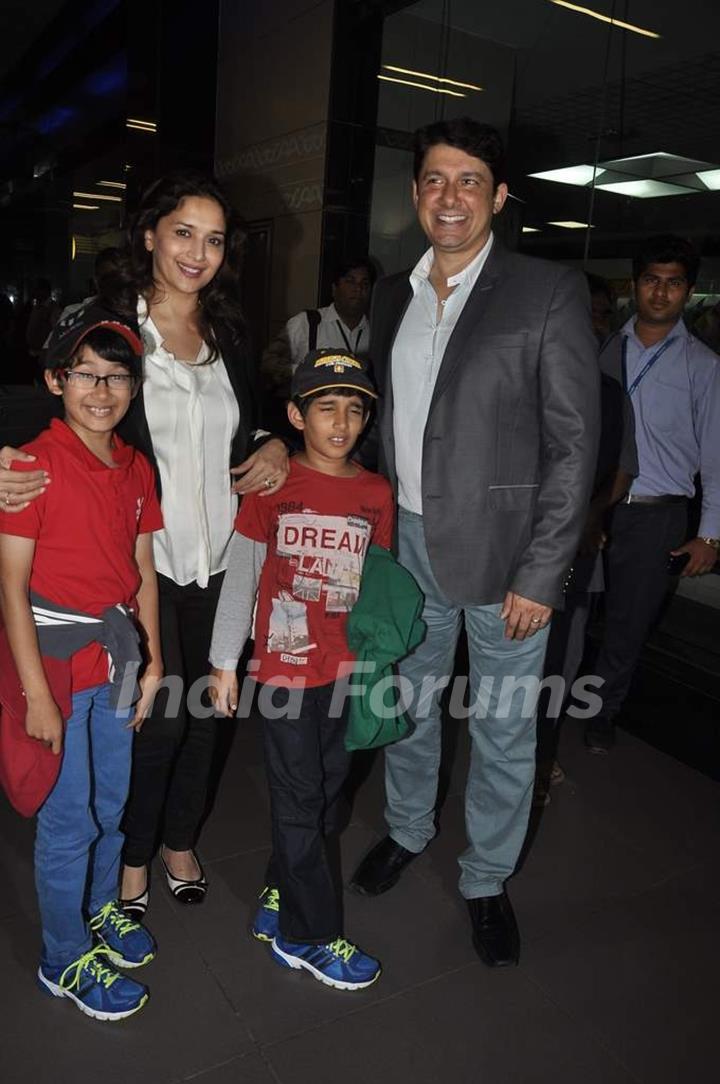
<point x="307" y="764"/>
<point x="637" y="584"/>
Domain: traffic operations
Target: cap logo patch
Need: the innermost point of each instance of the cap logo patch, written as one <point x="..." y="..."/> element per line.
<point x="338" y="363"/>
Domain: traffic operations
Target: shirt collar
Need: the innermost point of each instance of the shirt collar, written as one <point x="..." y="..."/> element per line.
<point x="153" y="345"/>
<point x="678" y="330"/>
<point x="467" y="277"/>
<point x="123" y="453"/>
<point x="331" y="313"/>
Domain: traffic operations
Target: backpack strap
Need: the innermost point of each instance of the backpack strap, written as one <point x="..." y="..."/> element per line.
<point x="313" y="319"/>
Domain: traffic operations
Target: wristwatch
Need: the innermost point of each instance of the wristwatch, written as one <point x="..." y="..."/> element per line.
<point x="714" y="542"/>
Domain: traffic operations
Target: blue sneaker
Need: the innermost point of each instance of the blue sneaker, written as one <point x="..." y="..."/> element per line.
<point x="265" y="925"/>
<point x="340" y="964"/>
<point x="128" y="943"/>
<point x="96" y="989"/>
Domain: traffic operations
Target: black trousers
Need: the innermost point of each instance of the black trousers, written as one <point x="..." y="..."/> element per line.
<point x="637" y="584"/>
<point x="173" y="753"/>
<point x="566" y="646"/>
<point x="307" y="764"/>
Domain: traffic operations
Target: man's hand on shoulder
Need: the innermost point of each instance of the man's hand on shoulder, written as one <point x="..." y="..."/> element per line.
<point x="523" y="617"/>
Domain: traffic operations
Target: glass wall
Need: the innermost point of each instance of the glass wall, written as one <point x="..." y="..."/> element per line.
<point x="612" y="131"/>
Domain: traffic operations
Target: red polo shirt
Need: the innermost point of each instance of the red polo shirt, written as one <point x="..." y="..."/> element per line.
<point x="85" y="526"/>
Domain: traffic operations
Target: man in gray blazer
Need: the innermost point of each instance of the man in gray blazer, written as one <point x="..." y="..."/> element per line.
<point x="488" y="433"/>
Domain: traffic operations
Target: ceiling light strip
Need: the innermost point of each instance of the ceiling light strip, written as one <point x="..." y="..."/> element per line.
<point x="138" y="120"/>
<point x="437" y="78"/>
<point x="85" y="207"/>
<point x="570" y="224"/>
<point x="420" y="86"/>
<point x="141" y="128"/>
<point x="98" y="195"/>
<point x="111" y="184"/>
<point x="605" y="18"/>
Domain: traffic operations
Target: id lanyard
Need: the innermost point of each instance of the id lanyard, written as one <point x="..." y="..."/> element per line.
<point x="352" y="349"/>
<point x="646" y="367"/>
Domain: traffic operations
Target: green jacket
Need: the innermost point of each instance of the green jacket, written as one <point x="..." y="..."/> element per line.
<point x="383" y="626"/>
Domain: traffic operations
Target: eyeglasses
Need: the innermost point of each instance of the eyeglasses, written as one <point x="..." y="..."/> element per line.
<point x="113" y="381"/>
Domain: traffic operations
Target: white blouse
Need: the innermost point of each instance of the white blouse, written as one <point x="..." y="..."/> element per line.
<point x="193" y="416"/>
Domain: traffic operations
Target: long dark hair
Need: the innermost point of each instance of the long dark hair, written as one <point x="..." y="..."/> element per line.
<point x="219" y="300"/>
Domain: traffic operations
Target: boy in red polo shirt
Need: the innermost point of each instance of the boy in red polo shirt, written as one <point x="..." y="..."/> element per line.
<point x="306" y="547"/>
<point x="74" y="565"/>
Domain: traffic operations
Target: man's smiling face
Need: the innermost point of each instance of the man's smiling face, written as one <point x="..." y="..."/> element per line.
<point x="455" y="200"/>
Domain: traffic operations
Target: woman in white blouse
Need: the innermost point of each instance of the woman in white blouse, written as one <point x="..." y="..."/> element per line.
<point x="195" y="418"/>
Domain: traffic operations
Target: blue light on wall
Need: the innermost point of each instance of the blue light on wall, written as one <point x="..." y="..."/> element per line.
<point x="55" y="118"/>
<point x="108" y="79"/>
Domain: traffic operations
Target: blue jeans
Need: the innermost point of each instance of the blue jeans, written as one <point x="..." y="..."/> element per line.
<point x="499" y="786"/>
<point x="78" y="838"/>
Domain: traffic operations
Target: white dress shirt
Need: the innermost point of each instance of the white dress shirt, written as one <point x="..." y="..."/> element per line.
<point x="193" y="416"/>
<point x="332" y="333"/>
<point x="417" y="354"/>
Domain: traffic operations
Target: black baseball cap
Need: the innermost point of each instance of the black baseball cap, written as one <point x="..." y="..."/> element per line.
<point x="325" y="370"/>
<point x="70" y="331"/>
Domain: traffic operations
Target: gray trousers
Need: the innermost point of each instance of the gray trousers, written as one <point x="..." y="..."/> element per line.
<point x="501" y="723"/>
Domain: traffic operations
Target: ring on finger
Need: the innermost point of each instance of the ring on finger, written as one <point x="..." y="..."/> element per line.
<point x="268" y="483"/>
<point x="6" y="499"/>
<point x="534" y="620"/>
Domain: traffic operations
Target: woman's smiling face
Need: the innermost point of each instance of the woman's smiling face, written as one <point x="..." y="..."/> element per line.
<point x="188" y="245"/>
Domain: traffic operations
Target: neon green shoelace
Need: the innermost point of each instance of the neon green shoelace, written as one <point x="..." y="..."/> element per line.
<point x="272" y="900"/>
<point x="118" y="919"/>
<point x="90" y="965"/>
<point x="343" y="949"/>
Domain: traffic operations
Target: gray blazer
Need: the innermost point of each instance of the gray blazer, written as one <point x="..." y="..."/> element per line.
<point x="511" y="439"/>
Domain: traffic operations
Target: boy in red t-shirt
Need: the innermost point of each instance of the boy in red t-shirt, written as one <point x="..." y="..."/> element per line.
<point x="73" y="566"/>
<point x="305" y="547"/>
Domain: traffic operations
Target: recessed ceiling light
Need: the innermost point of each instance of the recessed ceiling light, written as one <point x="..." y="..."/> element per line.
<point x="642" y="176"/>
<point x="605" y="18"/>
<point x="646" y="189"/>
<point x="571" y="225"/>
<point x="579" y="175"/>
<point x="710" y="178"/>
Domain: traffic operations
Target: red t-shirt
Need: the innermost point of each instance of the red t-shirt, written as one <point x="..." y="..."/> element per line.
<point x="317" y="529"/>
<point x="85" y="525"/>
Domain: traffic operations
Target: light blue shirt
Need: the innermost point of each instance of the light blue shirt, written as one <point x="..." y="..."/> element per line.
<point x="417" y="355"/>
<point x="677" y="419"/>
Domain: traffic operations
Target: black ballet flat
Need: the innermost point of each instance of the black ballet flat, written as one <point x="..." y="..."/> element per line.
<point x="190" y="892"/>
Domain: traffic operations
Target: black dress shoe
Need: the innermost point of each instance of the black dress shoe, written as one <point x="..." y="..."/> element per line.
<point x="600" y="735"/>
<point x="495" y="933"/>
<point x="381" y="867"/>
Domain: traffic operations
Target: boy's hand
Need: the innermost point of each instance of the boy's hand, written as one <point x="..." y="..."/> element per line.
<point x="45" y="723"/>
<point x="148" y="688"/>
<point x="223" y="691"/>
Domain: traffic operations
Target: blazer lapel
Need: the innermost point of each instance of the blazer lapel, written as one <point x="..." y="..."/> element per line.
<point x="470" y="316"/>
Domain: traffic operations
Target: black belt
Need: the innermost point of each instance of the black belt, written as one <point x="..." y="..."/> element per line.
<point x="663" y="498"/>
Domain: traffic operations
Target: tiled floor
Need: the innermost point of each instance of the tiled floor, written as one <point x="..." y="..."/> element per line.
<point x="618" y="901"/>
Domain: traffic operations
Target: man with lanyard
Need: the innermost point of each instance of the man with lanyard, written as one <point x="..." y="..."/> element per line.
<point x="673" y="381"/>
<point x="343" y="325"/>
